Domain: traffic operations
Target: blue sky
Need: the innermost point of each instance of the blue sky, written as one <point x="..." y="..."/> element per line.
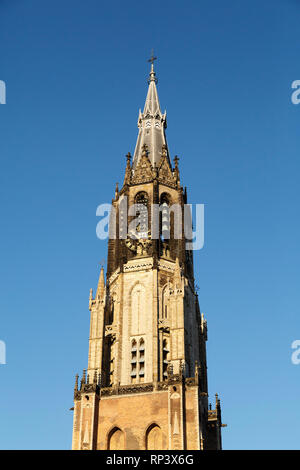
<point x="76" y="76"/>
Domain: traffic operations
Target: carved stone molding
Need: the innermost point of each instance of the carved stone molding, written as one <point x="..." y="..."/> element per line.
<point x="127" y="389"/>
<point x="167" y="266"/>
<point x="162" y="386"/>
<point x="89" y="388"/>
<point x="138" y="266"/>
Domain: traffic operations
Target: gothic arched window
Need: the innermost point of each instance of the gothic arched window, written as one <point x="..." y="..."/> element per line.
<point x="133" y="360"/>
<point x="137" y="361"/>
<point x="154" y="438"/>
<point x="165" y="218"/>
<point x="164" y="305"/>
<point x="141" y="203"/>
<point x="138" y="310"/>
<point x="141" y="359"/>
<point x="116" y="440"/>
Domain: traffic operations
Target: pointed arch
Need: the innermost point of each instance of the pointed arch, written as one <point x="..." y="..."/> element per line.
<point x="116" y="439"/>
<point x="141" y="201"/>
<point x="154" y="438"/>
<point x="138" y="309"/>
<point x="164" y="304"/>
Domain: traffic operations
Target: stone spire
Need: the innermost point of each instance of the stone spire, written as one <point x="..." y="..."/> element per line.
<point x="151" y="124"/>
<point x="101" y="285"/>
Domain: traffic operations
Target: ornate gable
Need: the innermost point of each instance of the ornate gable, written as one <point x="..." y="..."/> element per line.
<point x="165" y="174"/>
<point x="144" y="171"/>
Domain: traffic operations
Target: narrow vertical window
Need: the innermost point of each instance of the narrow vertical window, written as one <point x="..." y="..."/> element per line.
<point x="165" y="359"/>
<point x="141" y="202"/>
<point x="165" y="302"/>
<point x="111" y="363"/>
<point x="133" y="361"/>
<point x="165" y="218"/>
<point x="141" y="360"/>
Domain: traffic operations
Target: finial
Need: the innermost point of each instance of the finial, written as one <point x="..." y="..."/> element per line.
<point x="83" y="376"/>
<point x="101" y="283"/>
<point x="217" y="399"/>
<point x="152" y="75"/>
<point x="127" y="176"/>
<point x="176" y="171"/>
<point x="117" y="190"/>
<point x="76" y="383"/>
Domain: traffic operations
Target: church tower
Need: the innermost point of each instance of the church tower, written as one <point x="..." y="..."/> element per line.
<point x="146" y="382"/>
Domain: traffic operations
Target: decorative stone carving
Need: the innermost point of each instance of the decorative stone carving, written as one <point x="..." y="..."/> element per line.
<point x="143" y="172"/>
<point x="166" y="266"/>
<point x="126" y="389"/>
<point x="77" y="395"/>
<point x="164" y="324"/>
<point x="190" y="381"/>
<point x="141" y="266"/>
<point x="111" y="330"/>
<point x="165" y="174"/>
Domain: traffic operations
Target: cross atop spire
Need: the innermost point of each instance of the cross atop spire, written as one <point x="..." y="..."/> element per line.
<point x="152" y="77"/>
<point x="152" y="124"/>
<point x="152" y="58"/>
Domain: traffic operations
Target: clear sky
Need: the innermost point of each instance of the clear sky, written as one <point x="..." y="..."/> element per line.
<point x="76" y="74"/>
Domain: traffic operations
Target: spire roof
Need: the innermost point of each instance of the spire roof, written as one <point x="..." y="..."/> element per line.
<point x="101" y="285"/>
<point x="151" y="124"/>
